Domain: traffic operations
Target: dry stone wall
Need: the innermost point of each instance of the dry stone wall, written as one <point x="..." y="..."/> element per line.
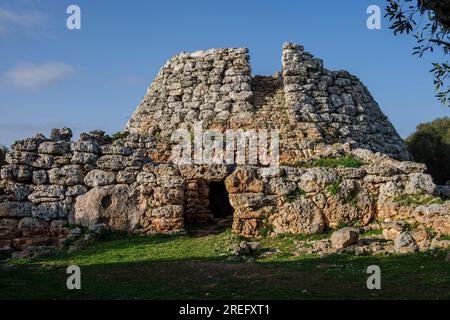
<point x="310" y="105"/>
<point x="50" y="184"/>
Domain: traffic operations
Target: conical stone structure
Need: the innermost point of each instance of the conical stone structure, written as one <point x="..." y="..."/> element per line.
<point x="310" y="105"/>
<point x="129" y="182"/>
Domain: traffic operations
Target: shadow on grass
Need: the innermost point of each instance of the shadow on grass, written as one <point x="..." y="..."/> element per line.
<point x="181" y="267"/>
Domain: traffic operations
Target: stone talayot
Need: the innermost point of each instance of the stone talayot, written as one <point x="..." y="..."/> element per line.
<point x="129" y="182"/>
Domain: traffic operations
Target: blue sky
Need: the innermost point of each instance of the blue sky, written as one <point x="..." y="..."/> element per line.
<point x="95" y="77"/>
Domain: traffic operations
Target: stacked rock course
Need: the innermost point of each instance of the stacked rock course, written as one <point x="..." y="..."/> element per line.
<point x="129" y="183"/>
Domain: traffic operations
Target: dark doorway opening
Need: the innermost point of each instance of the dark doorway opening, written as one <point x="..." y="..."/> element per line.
<point x="219" y="203"/>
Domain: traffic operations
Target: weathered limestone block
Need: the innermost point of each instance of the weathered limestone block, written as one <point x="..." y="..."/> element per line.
<point x="17" y="191"/>
<point x="170" y="211"/>
<point x="408" y="167"/>
<point x="351" y="173"/>
<point x="435" y="216"/>
<point x="388" y="192"/>
<point x="127" y="177"/>
<point x="54" y="148"/>
<point x="212" y="172"/>
<point x="246" y="201"/>
<point x="280" y="186"/>
<point x="420" y="183"/>
<point x="96" y="178"/>
<point x="317" y="179"/>
<point x="291" y="174"/>
<point x="84" y="158"/>
<point x="116" y="150"/>
<point x="392" y="229"/>
<point x="244" y="179"/>
<point x="30" y="144"/>
<point x="170" y="181"/>
<point x="47" y="193"/>
<point x="42" y="161"/>
<point x="66" y="176"/>
<point x="61" y="134"/>
<point x="166" y="225"/>
<point x="300" y="216"/>
<point x="112" y="162"/>
<point x="73" y="191"/>
<point x="40" y="177"/>
<point x="19" y="173"/>
<point x="351" y="203"/>
<point x="344" y="237"/>
<point x="15" y="209"/>
<point x="405" y="243"/>
<point x="164" y="196"/>
<point x="85" y="146"/>
<point x="395" y="211"/>
<point x="246" y="227"/>
<point x="120" y="207"/>
<point x="51" y="210"/>
<point x="32" y="227"/>
<point x="146" y="178"/>
<point x="9" y="228"/>
<point x="165" y="170"/>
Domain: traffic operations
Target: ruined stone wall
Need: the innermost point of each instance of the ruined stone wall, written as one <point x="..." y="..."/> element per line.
<point x="51" y="183"/>
<point x="302" y="200"/>
<point x="210" y="86"/>
<point x="128" y="183"/>
<point x="337" y="104"/>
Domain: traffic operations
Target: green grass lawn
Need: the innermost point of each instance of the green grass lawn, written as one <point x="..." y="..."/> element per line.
<point x="183" y="267"/>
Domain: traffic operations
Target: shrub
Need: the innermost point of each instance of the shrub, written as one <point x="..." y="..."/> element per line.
<point x="418" y="199"/>
<point x="430" y="144"/>
<point x="294" y="195"/>
<point x="3" y="151"/>
<point x="347" y="161"/>
<point x="335" y="187"/>
<point x="119" y="135"/>
<point x="265" y="228"/>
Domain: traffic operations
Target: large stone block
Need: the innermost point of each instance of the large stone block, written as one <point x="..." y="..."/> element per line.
<point x="317" y="179"/>
<point x="15" y="209"/>
<point x="299" y="216"/>
<point x="9" y="228"/>
<point x="51" y="210"/>
<point x="171" y="211"/>
<point x="97" y="178"/>
<point x="32" y="227"/>
<point x="120" y="207"/>
<point x="244" y="179"/>
<point x="19" y="173"/>
<point x="112" y="162"/>
<point x="54" y="148"/>
<point x="47" y="193"/>
<point x="344" y="237"/>
<point x="66" y="176"/>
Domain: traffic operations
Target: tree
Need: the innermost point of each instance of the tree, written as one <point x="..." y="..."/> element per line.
<point x="430" y="144"/>
<point x="3" y="151"/>
<point x="430" y="22"/>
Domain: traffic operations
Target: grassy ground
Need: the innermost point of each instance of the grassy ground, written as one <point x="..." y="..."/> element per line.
<point x="183" y="267"/>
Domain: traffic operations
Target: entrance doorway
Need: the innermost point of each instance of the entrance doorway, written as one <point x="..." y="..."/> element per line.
<point x="219" y="203"/>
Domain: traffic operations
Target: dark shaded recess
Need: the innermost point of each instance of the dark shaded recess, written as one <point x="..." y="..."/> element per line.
<point x="219" y="202"/>
<point x="106" y="202"/>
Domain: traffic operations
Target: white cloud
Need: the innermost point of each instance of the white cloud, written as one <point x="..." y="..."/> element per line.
<point x="37" y="76"/>
<point x="25" y="22"/>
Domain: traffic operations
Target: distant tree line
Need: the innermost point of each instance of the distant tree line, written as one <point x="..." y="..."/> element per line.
<point x="3" y="151"/>
<point x="430" y="144"/>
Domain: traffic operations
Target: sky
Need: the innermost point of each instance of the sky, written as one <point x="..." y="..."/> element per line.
<point x="94" y="78"/>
